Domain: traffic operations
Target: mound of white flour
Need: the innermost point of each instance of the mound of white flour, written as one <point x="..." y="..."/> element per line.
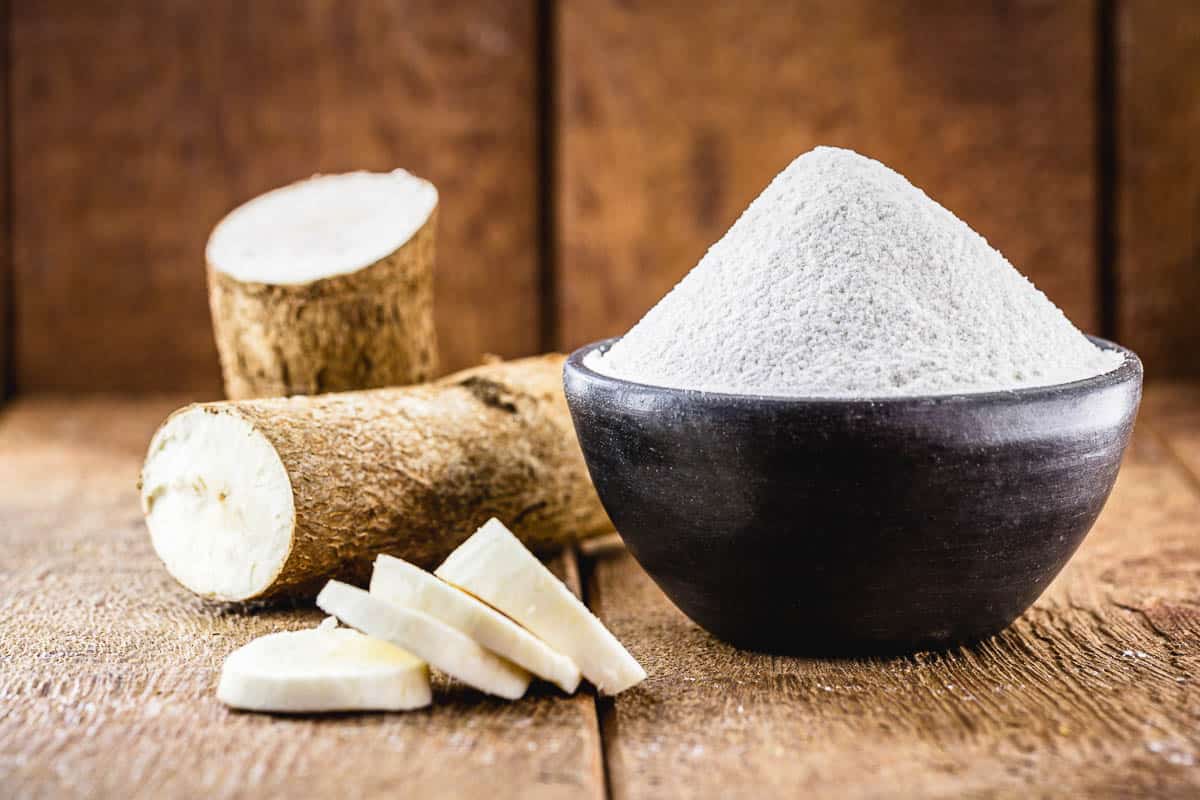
<point x="842" y="279"/>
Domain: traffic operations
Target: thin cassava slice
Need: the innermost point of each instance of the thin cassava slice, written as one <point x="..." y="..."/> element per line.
<point x="409" y="586"/>
<point x="266" y="498"/>
<point x="323" y="669"/>
<point x="445" y="648"/>
<point x="326" y="285"/>
<point x="494" y="566"/>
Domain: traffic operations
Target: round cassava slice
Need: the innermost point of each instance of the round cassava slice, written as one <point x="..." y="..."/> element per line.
<point x="326" y="285"/>
<point x="445" y="648"/>
<point x="409" y="586"/>
<point x="494" y="566"/>
<point x="322" y="669"/>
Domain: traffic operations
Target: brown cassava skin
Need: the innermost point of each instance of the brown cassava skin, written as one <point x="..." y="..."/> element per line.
<point x="370" y="328"/>
<point x="413" y="471"/>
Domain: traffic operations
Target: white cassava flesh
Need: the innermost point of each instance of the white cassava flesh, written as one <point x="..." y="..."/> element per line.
<point x="323" y="669"/>
<point x="494" y="566"/>
<point x="409" y="586"/>
<point x="445" y="648"/>
<point x="321" y="227"/>
<point x="218" y="503"/>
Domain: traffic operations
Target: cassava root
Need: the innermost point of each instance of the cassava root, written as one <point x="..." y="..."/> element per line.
<point x="271" y="497"/>
<point x="326" y="285"/>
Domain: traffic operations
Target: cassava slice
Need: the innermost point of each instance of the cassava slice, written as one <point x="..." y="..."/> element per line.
<point x="445" y="648"/>
<point x="494" y="566"/>
<point x="261" y="498"/>
<point x="408" y="586"/>
<point x="326" y="285"/>
<point x="322" y="669"/>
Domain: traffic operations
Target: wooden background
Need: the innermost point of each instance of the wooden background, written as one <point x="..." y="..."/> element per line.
<point x="587" y="151"/>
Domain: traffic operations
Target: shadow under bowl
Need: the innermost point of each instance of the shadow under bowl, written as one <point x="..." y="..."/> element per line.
<point x="846" y="526"/>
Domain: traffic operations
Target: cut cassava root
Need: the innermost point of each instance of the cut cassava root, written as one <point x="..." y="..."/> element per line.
<point x="402" y="584"/>
<point x="494" y="566"/>
<point x="326" y="285"/>
<point x="448" y="649"/>
<point x="445" y="626"/>
<point x="271" y="497"/>
<point x="323" y="669"/>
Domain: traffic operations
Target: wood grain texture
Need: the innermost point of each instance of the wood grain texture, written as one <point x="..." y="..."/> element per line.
<point x="6" y="342"/>
<point x="108" y="669"/>
<point x="1092" y="693"/>
<point x="1158" y="184"/>
<point x="674" y="115"/>
<point x="140" y="126"/>
<point x="1175" y="409"/>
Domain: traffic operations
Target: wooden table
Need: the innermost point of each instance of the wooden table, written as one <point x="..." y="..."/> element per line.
<point x="107" y="667"/>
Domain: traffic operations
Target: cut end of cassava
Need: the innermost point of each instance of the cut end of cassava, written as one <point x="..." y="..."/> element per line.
<point x="218" y="502"/>
<point x="443" y="647"/>
<point x="318" y="228"/>
<point x="323" y="669"/>
<point x="408" y="586"/>
<point x="494" y="566"/>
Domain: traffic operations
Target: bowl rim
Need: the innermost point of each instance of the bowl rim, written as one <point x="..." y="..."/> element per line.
<point x="1129" y="371"/>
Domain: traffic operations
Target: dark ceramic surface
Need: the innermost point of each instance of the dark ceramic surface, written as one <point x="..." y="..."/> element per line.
<point x="859" y="526"/>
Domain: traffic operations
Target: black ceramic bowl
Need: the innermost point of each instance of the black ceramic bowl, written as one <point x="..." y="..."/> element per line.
<point x="819" y="526"/>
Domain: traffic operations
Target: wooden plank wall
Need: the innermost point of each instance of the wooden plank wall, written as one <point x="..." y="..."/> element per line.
<point x="140" y="125"/>
<point x="5" y="240"/>
<point x="135" y="126"/>
<point x="676" y="114"/>
<point x="1158" y="184"/>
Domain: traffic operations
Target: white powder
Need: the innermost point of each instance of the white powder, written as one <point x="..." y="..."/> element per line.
<point x="842" y="279"/>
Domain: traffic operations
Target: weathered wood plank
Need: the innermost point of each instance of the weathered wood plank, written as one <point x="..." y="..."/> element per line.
<point x="1158" y="184"/>
<point x="141" y="125"/>
<point x="108" y="668"/>
<point x="674" y="115"/>
<point x="1172" y="411"/>
<point x="1093" y="693"/>
<point x="6" y="343"/>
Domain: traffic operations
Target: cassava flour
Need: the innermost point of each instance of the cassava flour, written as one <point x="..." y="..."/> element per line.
<point x="842" y="279"/>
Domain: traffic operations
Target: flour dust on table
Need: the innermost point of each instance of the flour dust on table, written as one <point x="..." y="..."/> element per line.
<point x="842" y="279"/>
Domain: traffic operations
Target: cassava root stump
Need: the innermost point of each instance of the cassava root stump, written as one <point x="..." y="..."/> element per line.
<point x="263" y="498"/>
<point x="326" y="285"/>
